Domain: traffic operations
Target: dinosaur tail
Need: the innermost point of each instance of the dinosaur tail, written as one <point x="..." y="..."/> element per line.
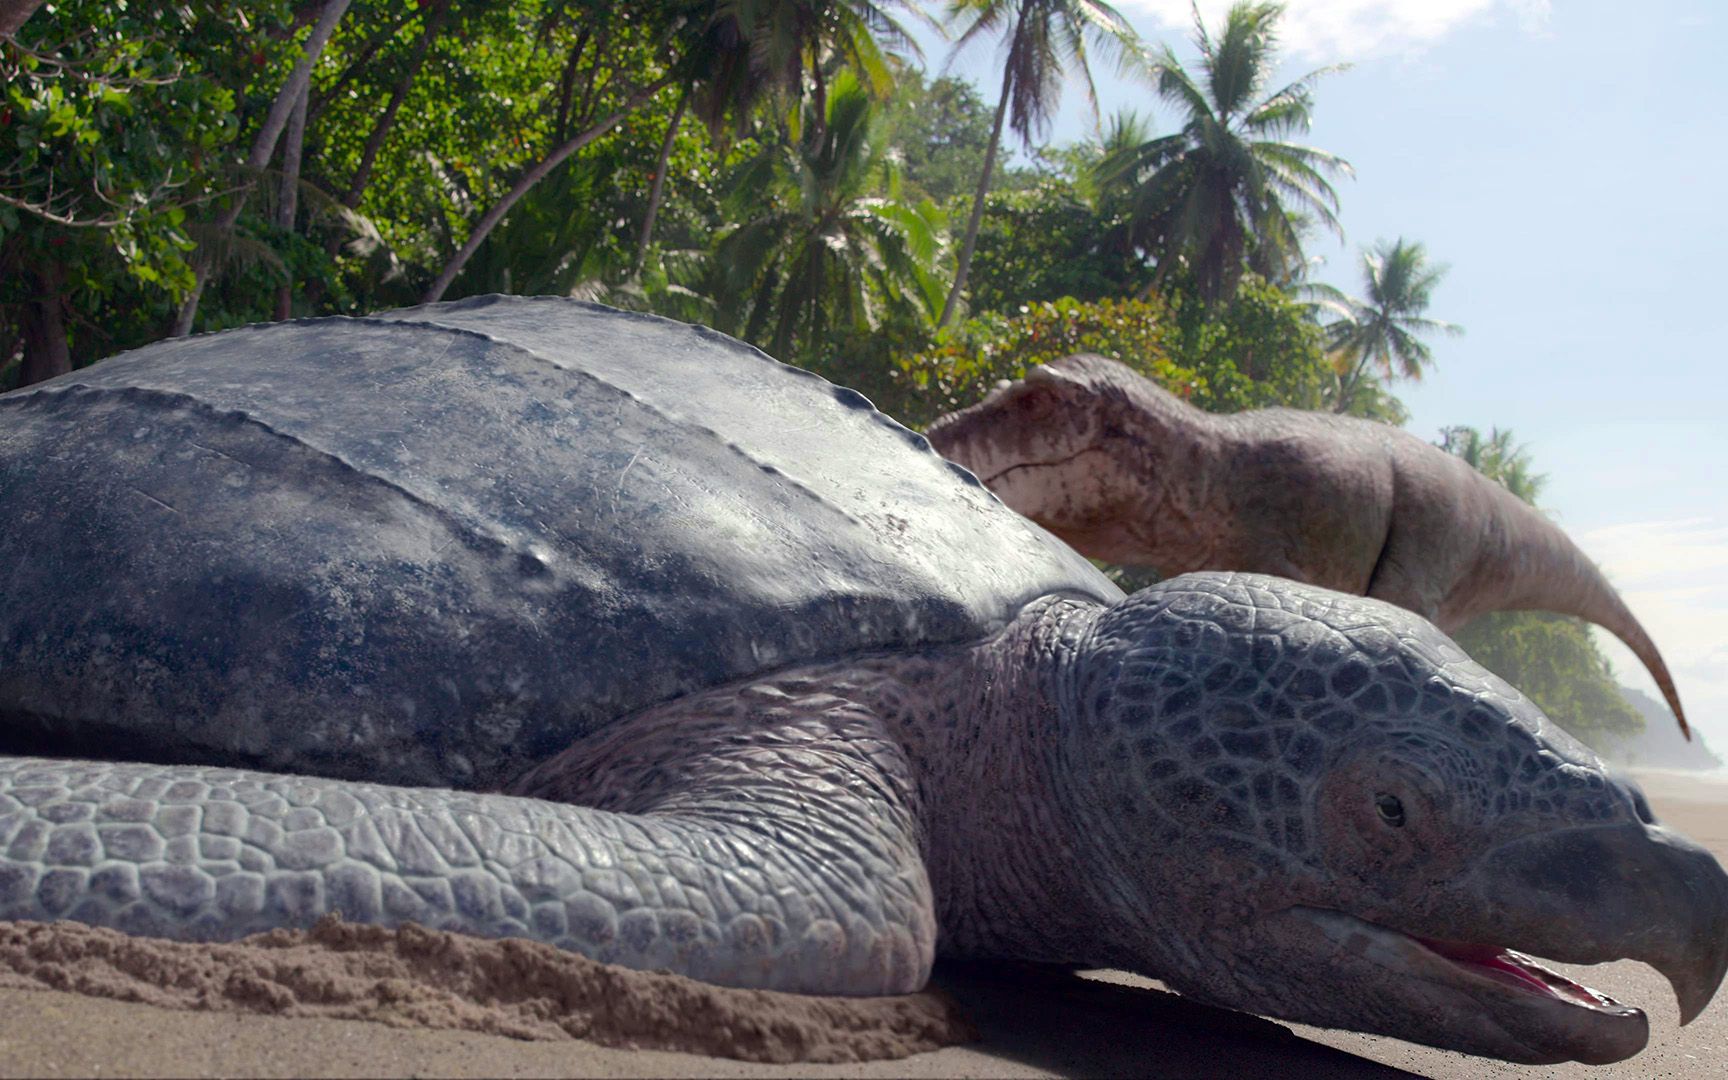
<point x="1548" y="571"/>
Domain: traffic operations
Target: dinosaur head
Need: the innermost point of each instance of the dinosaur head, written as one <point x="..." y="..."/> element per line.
<point x="1051" y="446"/>
<point x="1315" y="806"/>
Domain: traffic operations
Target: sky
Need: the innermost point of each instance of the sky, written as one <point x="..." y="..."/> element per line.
<point x="1565" y="160"/>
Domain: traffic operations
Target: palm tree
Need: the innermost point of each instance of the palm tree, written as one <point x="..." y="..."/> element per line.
<point x="1384" y="330"/>
<point x="735" y="49"/>
<point x="749" y="48"/>
<point x="826" y="250"/>
<point x="1227" y="192"/>
<point x="1043" y="37"/>
<point x="1497" y="457"/>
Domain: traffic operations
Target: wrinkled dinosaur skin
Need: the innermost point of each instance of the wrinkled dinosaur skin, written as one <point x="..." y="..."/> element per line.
<point x="1126" y="472"/>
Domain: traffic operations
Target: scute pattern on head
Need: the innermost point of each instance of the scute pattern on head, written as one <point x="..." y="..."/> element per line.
<point x="1232" y="697"/>
<point x="1313" y="781"/>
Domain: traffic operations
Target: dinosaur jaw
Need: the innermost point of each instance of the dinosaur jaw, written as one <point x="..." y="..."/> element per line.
<point x="1483" y="998"/>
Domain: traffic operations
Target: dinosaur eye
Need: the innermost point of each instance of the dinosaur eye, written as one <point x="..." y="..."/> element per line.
<point x="1391" y="809"/>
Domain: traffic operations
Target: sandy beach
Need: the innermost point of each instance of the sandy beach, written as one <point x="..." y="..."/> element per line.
<point x="1030" y="1022"/>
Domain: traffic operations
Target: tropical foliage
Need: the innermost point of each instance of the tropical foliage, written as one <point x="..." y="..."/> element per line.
<point x="1040" y="39"/>
<point x="980" y="352"/>
<point x="1497" y="457"/>
<point x="1555" y="661"/>
<point x="1226" y="192"/>
<point x="113" y="123"/>
<point x="822" y="250"/>
<point x="1383" y="331"/>
<point x="1259" y="351"/>
<point x="785" y="170"/>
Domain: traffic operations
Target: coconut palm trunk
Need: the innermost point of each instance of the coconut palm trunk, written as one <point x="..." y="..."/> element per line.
<point x="398" y="94"/>
<point x="658" y="190"/>
<point x="264" y="146"/>
<point x="47" y="351"/>
<point x="14" y="14"/>
<point x="1046" y="36"/>
<point x="288" y="202"/>
<point x="976" y="218"/>
<point x="489" y="221"/>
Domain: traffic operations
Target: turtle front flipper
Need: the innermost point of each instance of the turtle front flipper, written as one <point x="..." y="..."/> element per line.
<point x="781" y="861"/>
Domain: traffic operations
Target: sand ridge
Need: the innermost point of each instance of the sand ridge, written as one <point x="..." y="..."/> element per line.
<point x="415" y="977"/>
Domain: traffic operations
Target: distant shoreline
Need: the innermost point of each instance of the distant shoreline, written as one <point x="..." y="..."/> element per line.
<point x="1718" y="775"/>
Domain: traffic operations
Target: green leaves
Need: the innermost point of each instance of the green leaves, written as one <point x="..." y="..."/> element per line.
<point x="1497" y="457"/>
<point x="1557" y="664"/>
<point x="106" y="115"/>
<point x="819" y="250"/>
<point x="1384" y="331"/>
<point x="1259" y="351"/>
<point x="1225" y="194"/>
<point x="808" y="228"/>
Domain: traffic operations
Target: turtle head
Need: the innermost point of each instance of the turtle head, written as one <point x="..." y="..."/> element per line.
<point x="1315" y="806"/>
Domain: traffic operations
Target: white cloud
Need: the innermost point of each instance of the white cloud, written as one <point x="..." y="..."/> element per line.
<point x="1674" y="577"/>
<point x="1332" y="30"/>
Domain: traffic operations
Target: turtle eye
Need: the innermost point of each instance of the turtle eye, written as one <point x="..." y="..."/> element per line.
<point x="1391" y="809"/>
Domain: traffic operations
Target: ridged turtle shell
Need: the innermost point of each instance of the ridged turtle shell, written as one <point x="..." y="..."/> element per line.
<point x="433" y="546"/>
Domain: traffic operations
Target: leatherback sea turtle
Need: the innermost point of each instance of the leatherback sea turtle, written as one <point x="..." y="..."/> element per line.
<point x="528" y="617"/>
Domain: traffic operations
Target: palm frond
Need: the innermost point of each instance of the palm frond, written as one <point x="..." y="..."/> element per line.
<point x="1238" y="63"/>
<point x="232" y="252"/>
<point x="1289" y="105"/>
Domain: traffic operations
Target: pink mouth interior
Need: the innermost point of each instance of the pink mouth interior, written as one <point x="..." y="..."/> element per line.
<point x="1516" y="969"/>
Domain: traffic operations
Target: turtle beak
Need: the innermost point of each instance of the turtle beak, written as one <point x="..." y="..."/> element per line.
<point x="1459" y="974"/>
<point x="1598" y="893"/>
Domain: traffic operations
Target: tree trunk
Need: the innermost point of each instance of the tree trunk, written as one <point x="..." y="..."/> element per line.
<point x="567" y="87"/>
<point x="288" y="202"/>
<point x="14" y="13"/>
<point x="965" y="266"/>
<point x="492" y="217"/>
<point x="46" y="351"/>
<point x="1347" y="386"/>
<point x="264" y="146"/>
<point x="658" y="189"/>
<point x="398" y="94"/>
<point x="819" y="101"/>
<point x="585" y="105"/>
<point x="361" y="59"/>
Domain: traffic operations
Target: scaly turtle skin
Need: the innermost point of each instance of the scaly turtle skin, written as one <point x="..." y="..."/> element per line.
<point x="531" y="618"/>
<point x="1123" y="470"/>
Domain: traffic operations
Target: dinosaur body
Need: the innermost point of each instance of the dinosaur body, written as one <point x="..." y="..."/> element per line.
<point x="1126" y="472"/>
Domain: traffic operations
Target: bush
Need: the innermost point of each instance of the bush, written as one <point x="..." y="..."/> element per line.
<point x="968" y="360"/>
<point x="1262" y="349"/>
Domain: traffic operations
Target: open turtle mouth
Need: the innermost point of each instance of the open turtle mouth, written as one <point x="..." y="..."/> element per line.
<point x="1518" y="971"/>
<point x="1486" y="998"/>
